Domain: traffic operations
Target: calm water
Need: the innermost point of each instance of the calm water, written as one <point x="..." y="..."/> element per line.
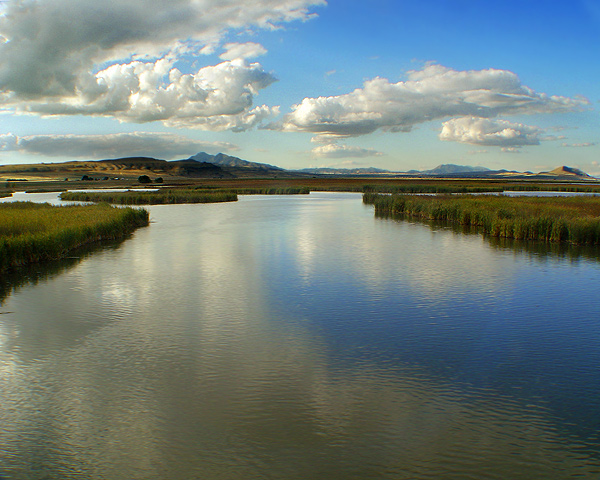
<point x="300" y="337"/>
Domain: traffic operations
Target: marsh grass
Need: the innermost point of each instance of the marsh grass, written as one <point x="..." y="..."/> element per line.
<point x="442" y="187"/>
<point x="574" y="220"/>
<point x="160" y="197"/>
<point x="409" y="188"/>
<point x="31" y="232"/>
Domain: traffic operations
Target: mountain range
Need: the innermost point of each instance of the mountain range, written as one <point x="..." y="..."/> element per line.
<point x="204" y="165"/>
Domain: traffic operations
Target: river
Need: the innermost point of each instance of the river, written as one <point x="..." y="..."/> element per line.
<point x="301" y="337"/>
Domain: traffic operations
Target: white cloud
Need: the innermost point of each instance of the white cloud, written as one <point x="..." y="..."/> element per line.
<point x="8" y="142"/>
<point x="234" y="51"/>
<point x="435" y="92"/>
<point x="510" y="150"/>
<point x="552" y="137"/>
<point x="157" y="145"/>
<point x="487" y="132"/>
<point x="214" y="98"/>
<point x="64" y="57"/>
<point x="334" y="150"/>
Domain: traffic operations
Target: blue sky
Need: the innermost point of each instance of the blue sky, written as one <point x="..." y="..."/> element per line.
<point x="299" y="83"/>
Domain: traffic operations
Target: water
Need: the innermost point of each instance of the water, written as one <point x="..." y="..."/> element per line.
<point x="300" y="337"/>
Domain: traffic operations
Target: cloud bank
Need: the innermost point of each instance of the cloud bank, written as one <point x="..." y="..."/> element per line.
<point x="218" y="97"/>
<point x="487" y="132"/>
<point x="116" y="58"/>
<point x="158" y="145"/>
<point x="433" y="93"/>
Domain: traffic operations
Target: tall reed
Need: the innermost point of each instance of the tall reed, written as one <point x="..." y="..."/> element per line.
<point x="133" y="197"/>
<point x="551" y="219"/>
<point x="32" y="232"/>
<point x="430" y="188"/>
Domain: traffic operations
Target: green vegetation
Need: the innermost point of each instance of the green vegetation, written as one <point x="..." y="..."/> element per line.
<point x="132" y="197"/>
<point x="430" y="188"/>
<point x="31" y="232"/>
<point x="574" y="220"/>
<point x="443" y="187"/>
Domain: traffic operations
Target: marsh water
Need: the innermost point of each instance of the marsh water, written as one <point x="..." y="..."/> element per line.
<point x="301" y="337"/>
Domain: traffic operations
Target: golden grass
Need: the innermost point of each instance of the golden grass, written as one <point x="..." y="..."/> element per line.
<point x="574" y="220"/>
<point x="32" y="232"/>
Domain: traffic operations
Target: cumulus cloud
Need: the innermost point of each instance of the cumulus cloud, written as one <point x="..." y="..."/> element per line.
<point x="435" y="92"/>
<point x="487" y="132"/>
<point x="333" y="150"/>
<point x="158" y="145"/>
<point x="234" y="51"/>
<point x="58" y="56"/>
<point x="217" y="97"/>
<point x="8" y="142"/>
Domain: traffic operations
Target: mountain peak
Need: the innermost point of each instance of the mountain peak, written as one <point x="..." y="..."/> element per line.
<point x="449" y="168"/>
<point x="569" y="171"/>
<point x="224" y="160"/>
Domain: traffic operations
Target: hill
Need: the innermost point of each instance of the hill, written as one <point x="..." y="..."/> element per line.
<point x="570" y="172"/>
<point x="204" y="165"/>
<point x="224" y="160"/>
<point x="450" y="168"/>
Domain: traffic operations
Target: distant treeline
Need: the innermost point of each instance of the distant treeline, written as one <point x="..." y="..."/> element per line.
<point x="32" y="232"/>
<point x="574" y="220"/>
<point x="160" y="197"/>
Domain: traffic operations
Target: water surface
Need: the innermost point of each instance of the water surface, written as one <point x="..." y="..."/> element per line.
<point x="300" y="337"/>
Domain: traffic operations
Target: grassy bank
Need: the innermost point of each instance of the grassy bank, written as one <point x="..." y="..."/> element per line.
<point x="574" y="220"/>
<point x="31" y="232"/>
<point x="151" y="198"/>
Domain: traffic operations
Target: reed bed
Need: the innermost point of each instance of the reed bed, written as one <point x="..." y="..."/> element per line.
<point x="31" y="232"/>
<point x="160" y="197"/>
<point x="574" y="220"/>
<point x="441" y="188"/>
<point x="409" y="188"/>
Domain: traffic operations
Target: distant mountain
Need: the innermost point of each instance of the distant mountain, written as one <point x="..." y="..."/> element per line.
<point x="342" y="171"/>
<point x="451" y="169"/>
<point x="204" y="165"/>
<point x="565" y="171"/>
<point x="224" y="160"/>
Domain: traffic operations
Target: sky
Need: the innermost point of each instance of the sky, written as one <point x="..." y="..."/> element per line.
<point x="393" y="84"/>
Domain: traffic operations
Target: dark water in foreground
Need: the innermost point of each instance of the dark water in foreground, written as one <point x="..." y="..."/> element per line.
<point x="300" y="337"/>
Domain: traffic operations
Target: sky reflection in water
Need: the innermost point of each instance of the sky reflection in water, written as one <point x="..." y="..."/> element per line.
<point x="301" y="337"/>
